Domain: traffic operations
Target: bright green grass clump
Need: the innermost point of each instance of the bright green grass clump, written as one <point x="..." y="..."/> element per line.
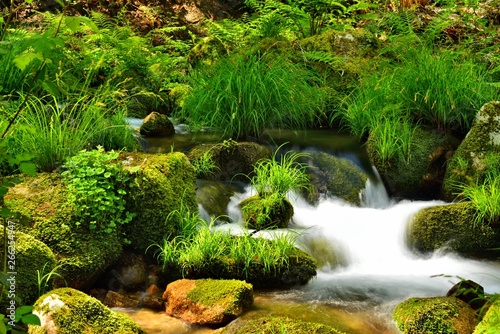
<point x="241" y="96"/>
<point x="486" y="199"/>
<point x="441" y="90"/>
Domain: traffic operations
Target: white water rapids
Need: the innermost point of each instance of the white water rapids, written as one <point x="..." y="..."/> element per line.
<point x="376" y="265"/>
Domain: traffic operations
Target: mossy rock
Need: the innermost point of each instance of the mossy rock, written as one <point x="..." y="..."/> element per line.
<point x="271" y="325"/>
<point x="156" y="124"/>
<point x="207" y="301"/>
<point x="491" y="319"/>
<point x="69" y="311"/>
<point x="335" y="177"/>
<point x="163" y="183"/>
<point x="435" y="315"/>
<point x="215" y="196"/>
<point x="41" y="206"/>
<point x="451" y="226"/>
<point x="233" y="160"/>
<point x="299" y="268"/>
<point x="421" y="177"/>
<point x="266" y="212"/>
<point x="29" y="256"/>
<point x="478" y="152"/>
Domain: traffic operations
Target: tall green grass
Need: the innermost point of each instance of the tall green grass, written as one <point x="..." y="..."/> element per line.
<point x="52" y="130"/>
<point x="207" y="247"/>
<point x="241" y="96"/>
<point x="485" y="197"/>
<point x="442" y="90"/>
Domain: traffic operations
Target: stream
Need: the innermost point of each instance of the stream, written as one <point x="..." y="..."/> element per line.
<point x="366" y="267"/>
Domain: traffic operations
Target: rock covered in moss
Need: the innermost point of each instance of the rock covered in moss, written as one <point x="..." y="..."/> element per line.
<point x="335" y="177"/>
<point x="435" y="315"/>
<point x="266" y="212"/>
<point x="271" y="325"/>
<point x="208" y="301"/>
<point x="26" y="256"/>
<point x="479" y="149"/>
<point x="69" y="311"/>
<point x="422" y="176"/>
<point x="451" y="226"/>
<point x="215" y="196"/>
<point x="163" y="183"/>
<point x="491" y="319"/>
<point x="156" y="124"/>
<point x="41" y="204"/>
<point x="233" y="160"/>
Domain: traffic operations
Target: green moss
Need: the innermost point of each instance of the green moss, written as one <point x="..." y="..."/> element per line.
<point x="156" y="124"/>
<point x="233" y="160"/>
<point x="284" y="325"/>
<point x="266" y="212"/>
<point x="163" y="183"/>
<point x="435" y="315"/>
<point x="79" y="313"/>
<point x="490" y="323"/>
<point x="332" y="176"/>
<point x="30" y="257"/>
<point x="226" y="294"/>
<point x="422" y="177"/>
<point x="470" y="161"/>
<point x="451" y="226"/>
<point x="41" y="204"/>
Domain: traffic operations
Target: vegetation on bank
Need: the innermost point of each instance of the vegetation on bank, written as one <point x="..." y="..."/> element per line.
<point x="381" y="70"/>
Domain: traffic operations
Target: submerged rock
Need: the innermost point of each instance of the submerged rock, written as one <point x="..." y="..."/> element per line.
<point x="233" y="160"/>
<point x="452" y="227"/>
<point x="29" y="256"/>
<point x="470" y="292"/>
<point x="69" y="311"/>
<point x="435" y="315"/>
<point x="271" y="325"/>
<point x="478" y="152"/>
<point x="156" y="124"/>
<point x="206" y="301"/>
<point x="335" y="177"/>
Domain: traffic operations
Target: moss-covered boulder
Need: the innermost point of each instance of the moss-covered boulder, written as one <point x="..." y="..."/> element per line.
<point x="451" y="226"/>
<point x="156" y="124"/>
<point x="207" y="301"/>
<point x="266" y="212"/>
<point x="478" y="152"/>
<point x="271" y="325"/>
<point x="26" y="256"/>
<point x="215" y="196"/>
<point x="42" y="211"/>
<point x="163" y="183"/>
<point x="233" y="160"/>
<point x="420" y="177"/>
<point x="335" y="177"/>
<point x="69" y="311"/>
<point x="491" y="319"/>
<point x="435" y="315"/>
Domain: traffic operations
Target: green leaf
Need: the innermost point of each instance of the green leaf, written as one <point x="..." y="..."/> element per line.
<point x="28" y="168"/>
<point x="50" y="87"/>
<point x="21" y="311"/>
<point x="23" y="60"/>
<point x="72" y="22"/>
<point x="31" y="319"/>
<point x="28" y="1"/>
<point x="107" y="174"/>
<point x="3" y="329"/>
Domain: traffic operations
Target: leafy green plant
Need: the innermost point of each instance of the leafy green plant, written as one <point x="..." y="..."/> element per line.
<point x="96" y="186"/>
<point x="204" y="165"/>
<point x="245" y="95"/>
<point x="23" y="316"/>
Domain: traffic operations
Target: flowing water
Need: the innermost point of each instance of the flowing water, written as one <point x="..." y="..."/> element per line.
<point x="366" y="267"/>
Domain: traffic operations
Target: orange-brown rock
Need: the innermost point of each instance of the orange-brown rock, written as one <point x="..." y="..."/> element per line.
<point x="207" y="301"/>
